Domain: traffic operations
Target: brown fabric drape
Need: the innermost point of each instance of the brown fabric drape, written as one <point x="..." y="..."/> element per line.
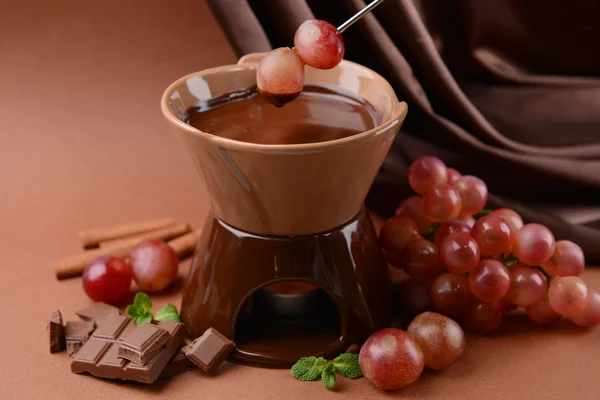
<point x="506" y="90"/>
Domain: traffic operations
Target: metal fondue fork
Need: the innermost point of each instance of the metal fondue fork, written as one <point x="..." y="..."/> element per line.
<point x="359" y="15"/>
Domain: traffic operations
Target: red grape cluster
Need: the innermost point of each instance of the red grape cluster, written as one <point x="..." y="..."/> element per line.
<point x="280" y="74"/>
<point x="481" y="268"/>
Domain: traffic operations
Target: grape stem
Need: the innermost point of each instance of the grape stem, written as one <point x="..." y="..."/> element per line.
<point x="483" y="213"/>
<point x="430" y="235"/>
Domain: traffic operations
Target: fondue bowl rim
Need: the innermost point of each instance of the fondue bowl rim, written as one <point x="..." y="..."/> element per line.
<point x="397" y="114"/>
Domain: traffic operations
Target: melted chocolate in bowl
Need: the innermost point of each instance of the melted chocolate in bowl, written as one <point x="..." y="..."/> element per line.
<point x="319" y="114"/>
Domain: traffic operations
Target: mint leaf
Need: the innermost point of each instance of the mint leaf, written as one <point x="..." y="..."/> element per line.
<point x="347" y="364"/>
<point x="328" y="376"/>
<point x="308" y="368"/>
<point x="168" y="313"/>
<point x="141" y="309"/>
<point x="142" y="301"/>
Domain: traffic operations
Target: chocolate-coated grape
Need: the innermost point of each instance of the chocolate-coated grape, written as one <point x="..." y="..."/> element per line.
<point x="280" y="76"/>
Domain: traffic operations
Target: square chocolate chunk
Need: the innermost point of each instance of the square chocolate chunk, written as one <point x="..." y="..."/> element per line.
<point x="209" y="350"/>
<point x="141" y="345"/>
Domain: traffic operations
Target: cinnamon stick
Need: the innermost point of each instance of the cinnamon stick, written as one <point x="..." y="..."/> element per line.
<point x="74" y="265"/>
<point x="186" y="244"/>
<point x="92" y="237"/>
<point x="167" y="233"/>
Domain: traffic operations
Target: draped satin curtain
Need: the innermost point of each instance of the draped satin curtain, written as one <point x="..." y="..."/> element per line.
<point x="507" y="90"/>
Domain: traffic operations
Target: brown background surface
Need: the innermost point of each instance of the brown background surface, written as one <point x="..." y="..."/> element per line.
<point x="82" y="143"/>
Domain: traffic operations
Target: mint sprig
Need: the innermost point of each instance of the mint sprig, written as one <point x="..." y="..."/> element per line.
<point x="328" y="376"/>
<point x="141" y="311"/>
<point x="347" y="365"/>
<point x="311" y="368"/>
<point x="308" y="368"/>
<point x="167" y="313"/>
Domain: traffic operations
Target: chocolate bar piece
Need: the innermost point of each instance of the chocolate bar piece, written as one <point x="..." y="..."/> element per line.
<point x="98" y="313"/>
<point x="99" y="356"/>
<point x="179" y="363"/>
<point x="56" y="332"/>
<point x="143" y="343"/>
<point x="209" y="350"/>
<point x="76" y="334"/>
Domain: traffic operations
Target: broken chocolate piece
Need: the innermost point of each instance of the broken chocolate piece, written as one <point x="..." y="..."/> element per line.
<point x="56" y="332"/>
<point x="99" y="356"/>
<point x="76" y="334"/>
<point x="209" y="350"/>
<point x="143" y="343"/>
<point x="98" y="313"/>
<point x="179" y="363"/>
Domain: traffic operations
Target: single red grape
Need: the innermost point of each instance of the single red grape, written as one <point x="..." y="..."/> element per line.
<point x="441" y="203"/>
<point x="511" y="217"/>
<point x="568" y="295"/>
<point x="484" y="317"/>
<point x="396" y="233"/>
<point x="590" y="316"/>
<point x="533" y="244"/>
<point x="567" y="260"/>
<point x="459" y="253"/>
<point x="489" y="281"/>
<point x="280" y="76"/>
<point x="319" y="44"/>
<point x="107" y="279"/>
<point x="426" y="172"/>
<point x="528" y="286"/>
<point x="154" y="264"/>
<point x="412" y="207"/>
<point x="450" y="294"/>
<point x="441" y="339"/>
<point x="493" y="235"/>
<point x="473" y="193"/>
<point x="453" y="175"/>
<point x="447" y="228"/>
<point x="542" y="312"/>
<point x="391" y="359"/>
<point x="421" y="260"/>
<point x="414" y="296"/>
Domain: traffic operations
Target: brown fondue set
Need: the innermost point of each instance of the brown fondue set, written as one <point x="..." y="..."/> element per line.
<point x="289" y="263"/>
